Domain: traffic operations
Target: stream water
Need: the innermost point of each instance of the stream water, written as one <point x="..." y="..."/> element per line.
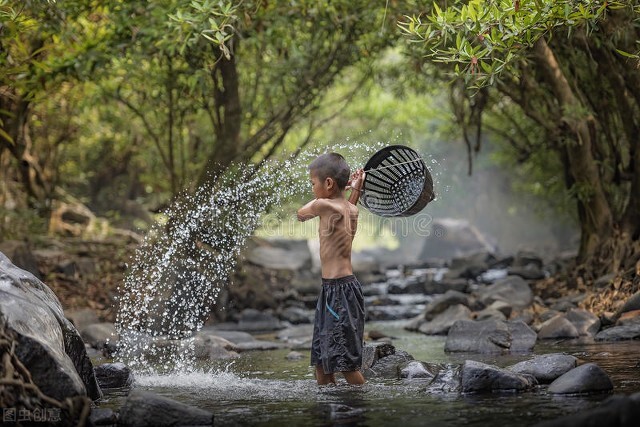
<point x="264" y="388"/>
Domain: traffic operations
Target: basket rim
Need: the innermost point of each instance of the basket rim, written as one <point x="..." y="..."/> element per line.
<point x="374" y="159"/>
<point x="422" y="200"/>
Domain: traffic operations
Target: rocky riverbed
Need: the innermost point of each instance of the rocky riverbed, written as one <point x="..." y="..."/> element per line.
<point x="483" y="309"/>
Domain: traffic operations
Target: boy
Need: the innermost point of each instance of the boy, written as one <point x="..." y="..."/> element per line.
<point x="339" y="320"/>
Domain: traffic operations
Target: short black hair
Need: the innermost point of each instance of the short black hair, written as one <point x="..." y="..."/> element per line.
<point x="331" y="165"/>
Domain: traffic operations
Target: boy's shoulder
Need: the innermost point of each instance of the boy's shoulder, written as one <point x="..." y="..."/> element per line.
<point x="337" y="205"/>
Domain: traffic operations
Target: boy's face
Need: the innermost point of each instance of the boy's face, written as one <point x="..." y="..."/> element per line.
<point x="321" y="188"/>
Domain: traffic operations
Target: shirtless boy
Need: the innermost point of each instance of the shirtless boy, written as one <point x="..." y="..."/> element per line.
<point x="339" y="319"/>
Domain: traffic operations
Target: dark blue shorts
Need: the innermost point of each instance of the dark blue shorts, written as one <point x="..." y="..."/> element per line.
<point x="339" y="326"/>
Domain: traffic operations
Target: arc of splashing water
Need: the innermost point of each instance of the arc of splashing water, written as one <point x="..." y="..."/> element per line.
<point x="136" y="313"/>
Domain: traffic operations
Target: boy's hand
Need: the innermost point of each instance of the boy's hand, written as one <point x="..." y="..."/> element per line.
<point x="355" y="185"/>
<point x="356" y="180"/>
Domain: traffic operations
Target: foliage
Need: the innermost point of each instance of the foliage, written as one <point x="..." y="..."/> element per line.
<point x="570" y="67"/>
<point x="481" y="39"/>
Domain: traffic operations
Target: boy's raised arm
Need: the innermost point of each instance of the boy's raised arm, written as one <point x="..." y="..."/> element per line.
<point x="355" y="184"/>
<point x="308" y="211"/>
<point x="316" y="207"/>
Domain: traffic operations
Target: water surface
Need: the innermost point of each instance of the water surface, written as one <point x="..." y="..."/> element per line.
<point x="264" y="388"/>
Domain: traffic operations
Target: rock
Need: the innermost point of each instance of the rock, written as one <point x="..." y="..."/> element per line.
<point x="619" y="333"/>
<point x="103" y="417"/>
<point x="295" y="334"/>
<point x="628" y="318"/>
<point x="375" y="334"/>
<point x="548" y="314"/>
<point x="259" y="345"/>
<point x="392" y="312"/>
<point x="415" y="369"/>
<point x="451" y="237"/>
<point x="297" y="315"/>
<point x="113" y="375"/>
<point x="208" y="346"/>
<point x="409" y="285"/>
<point x="525" y="258"/>
<point x="257" y="321"/>
<point x="557" y="327"/>
<point x="563" y="305"/>
<point x="70" y="219"/>
<point x="388" y="366"/>
<point x="490" y="336"/>
<point x="441" y="324"/>
<point x="547" y="367"/>
<point x="512" y="289"/>
<point x="82" y="318"/>
<point x="21" y="256"/>
<point x="363" y="263"/>
<point x="444" y="285"/>
<point x="371" y="353"/>
<point x="489" y="313"/>
<point x="281" y="254"/>
<point x="501" y="306"/>
<point x="477" y="377"/>
<point x="586" y="323"/>
<point x="99" y="335"/>
<point x="236" y="337"/>
<point x="294" y="355"/>
<point x="604" y="281"/>
<point x="529" y="272"/>
<point x="252" y="320"/>
<point x="47" y="342"/>
<point x="492" y="275"/>
<point x="633" y="303"/>
<point x="343" y="413"/>
<point x="146" y="409"/>
<point x="436" y="307"/>
<point x="616" y="411"/>
<point x="443" y="302"/>
<point x="207" y="336"/>
<point x="585" y="379"/>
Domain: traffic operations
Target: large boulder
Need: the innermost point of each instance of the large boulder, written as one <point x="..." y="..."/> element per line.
<point x="49" y="345"/>
<point x="490" y="336"/>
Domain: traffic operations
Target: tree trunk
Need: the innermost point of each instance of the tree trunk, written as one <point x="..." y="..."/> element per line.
<point x="16" y="125"/>
<point x="594" y="211"/>
<point x="228" y="112"/>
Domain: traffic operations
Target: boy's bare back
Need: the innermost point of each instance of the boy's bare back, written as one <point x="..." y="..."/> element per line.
<point x="338" y="224"/>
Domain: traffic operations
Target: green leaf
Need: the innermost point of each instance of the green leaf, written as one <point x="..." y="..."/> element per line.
<point x="627" y="54"/>
<point x="6" y="136"/>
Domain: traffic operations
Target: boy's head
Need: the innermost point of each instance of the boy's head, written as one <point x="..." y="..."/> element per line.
<point x="331" y="172"/>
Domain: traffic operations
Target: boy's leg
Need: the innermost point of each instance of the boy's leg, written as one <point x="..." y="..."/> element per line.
<point x="353" y="377"/>
<point x="322" y="378"/>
